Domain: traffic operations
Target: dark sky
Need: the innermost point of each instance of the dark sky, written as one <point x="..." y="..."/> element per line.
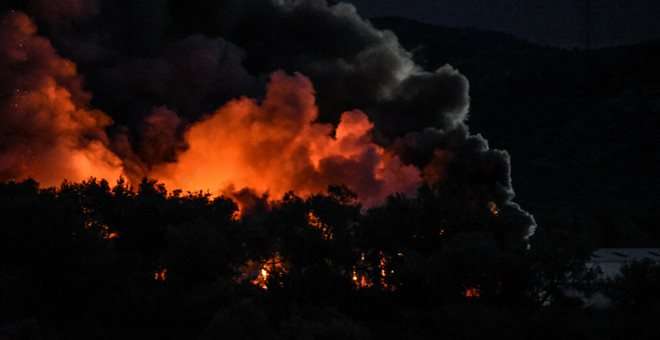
<point x="556" y="22"/>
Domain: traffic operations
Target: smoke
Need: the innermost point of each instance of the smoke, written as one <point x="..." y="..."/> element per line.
<point x="193" y="56"/>
<point x="276" y="146"/>
<point x="58" y="12"/>
<point x="48" y="131"/>
<point x="222" y="95"/>
<point x="160" y="136"/>
<point x="192" y="76"/>
<point x="468" y="171"/>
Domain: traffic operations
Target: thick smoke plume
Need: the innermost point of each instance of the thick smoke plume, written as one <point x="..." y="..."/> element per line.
<point x="274" y="95"/>
<point x="276" y="146"/>
<point x="48" y="131"/>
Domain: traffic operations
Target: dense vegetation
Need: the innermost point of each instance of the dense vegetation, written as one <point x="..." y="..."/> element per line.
<point x="92" y="260"/>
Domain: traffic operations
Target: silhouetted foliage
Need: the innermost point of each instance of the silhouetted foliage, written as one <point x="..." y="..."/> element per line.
<point x="91" y="259"/>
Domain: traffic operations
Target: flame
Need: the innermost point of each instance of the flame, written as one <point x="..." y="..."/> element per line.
<point x="262" y="280"/>
<point x="472" y="292"/>
<point x="160" y="275"/>
<point x="277" y="146"/>
<point x="382" y="269"/>
<point x="236" y="215"/>
<point x="316" y="223"/>
<point x="493" y="208"/>
<point x="361" y="280"/>
<point x="265" y="270"/>
<point x="359" y="274"/>
<point x="112" y="236"/>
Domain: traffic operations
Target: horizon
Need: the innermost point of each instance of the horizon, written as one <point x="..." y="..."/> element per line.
<point x="561" y="23"/>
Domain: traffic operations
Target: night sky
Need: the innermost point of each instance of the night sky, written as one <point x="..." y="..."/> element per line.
<point x="559" y="22"/>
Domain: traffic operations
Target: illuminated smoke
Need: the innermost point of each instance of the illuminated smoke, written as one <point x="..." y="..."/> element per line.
<point x="379" y="123"/>
<point x="48" y="130"/>
<point x="277" y="146"/>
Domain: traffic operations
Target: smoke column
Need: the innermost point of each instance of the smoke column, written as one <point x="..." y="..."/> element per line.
<point x="276" y="146"/>
<point x="225" y="95"/>
<point x="48" y="130"/>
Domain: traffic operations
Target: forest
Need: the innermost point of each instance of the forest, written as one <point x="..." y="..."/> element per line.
<point x="95" y="260"/>
<point x="375" y="206"/>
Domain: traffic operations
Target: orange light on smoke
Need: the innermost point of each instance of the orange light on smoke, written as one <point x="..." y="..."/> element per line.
<point x="273" y="145"/>
<point x="277" y="145"/>
<point x="67" y="138"/>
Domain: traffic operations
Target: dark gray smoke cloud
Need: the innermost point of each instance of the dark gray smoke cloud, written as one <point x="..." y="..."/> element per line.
<point x="157" y="66"/>
<point x="193" y="56"/>
<point x="468" y="170"/>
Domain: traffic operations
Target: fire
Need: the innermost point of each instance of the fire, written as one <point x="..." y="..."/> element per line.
<point x="316" y="223"/>
<point x="472" y="292"/>
<point x="382" y="270"/>
<point x="264" y="270"/>
<point x="492" y="206"/>
<point x="107" y="233"/>
<point x="277" y="146"/>
<point x="361" y="280"/>
<point x="160" y="275"/>
<point x="112" y="236"/>
<point x="273" y="146"/>
<point x="236" y="215"/>
<point x="360" y="275"/>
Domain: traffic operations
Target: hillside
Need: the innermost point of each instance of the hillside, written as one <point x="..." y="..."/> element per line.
<point x="581" y="126"/>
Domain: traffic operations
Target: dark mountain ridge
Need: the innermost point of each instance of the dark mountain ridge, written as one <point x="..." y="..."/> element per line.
<point x="581" y="125"/>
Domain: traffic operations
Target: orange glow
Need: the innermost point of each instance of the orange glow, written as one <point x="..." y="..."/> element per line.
<point x="493" y="208"/>
<point x="262" y="279"/>
<point x="359" y="274"/>
<point x="276" y="146"/>
<point x="106" y="233"/>
<point x="49" y="109"/>
<point x="382" y="269"/>
<point x="361" y="280"/>
<point x="236" y="215"/>
<point x="273" y="146"/>
<point x="265" y="270"/>
<point x="472" y="292"/>
<point x="316" y="223"/>
<point x="160" y="275"/>
<point x="112" y="236"/>
<point x="363" y="272"/>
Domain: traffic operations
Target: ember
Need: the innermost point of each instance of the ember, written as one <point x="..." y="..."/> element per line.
<point x="160" y="275"/>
